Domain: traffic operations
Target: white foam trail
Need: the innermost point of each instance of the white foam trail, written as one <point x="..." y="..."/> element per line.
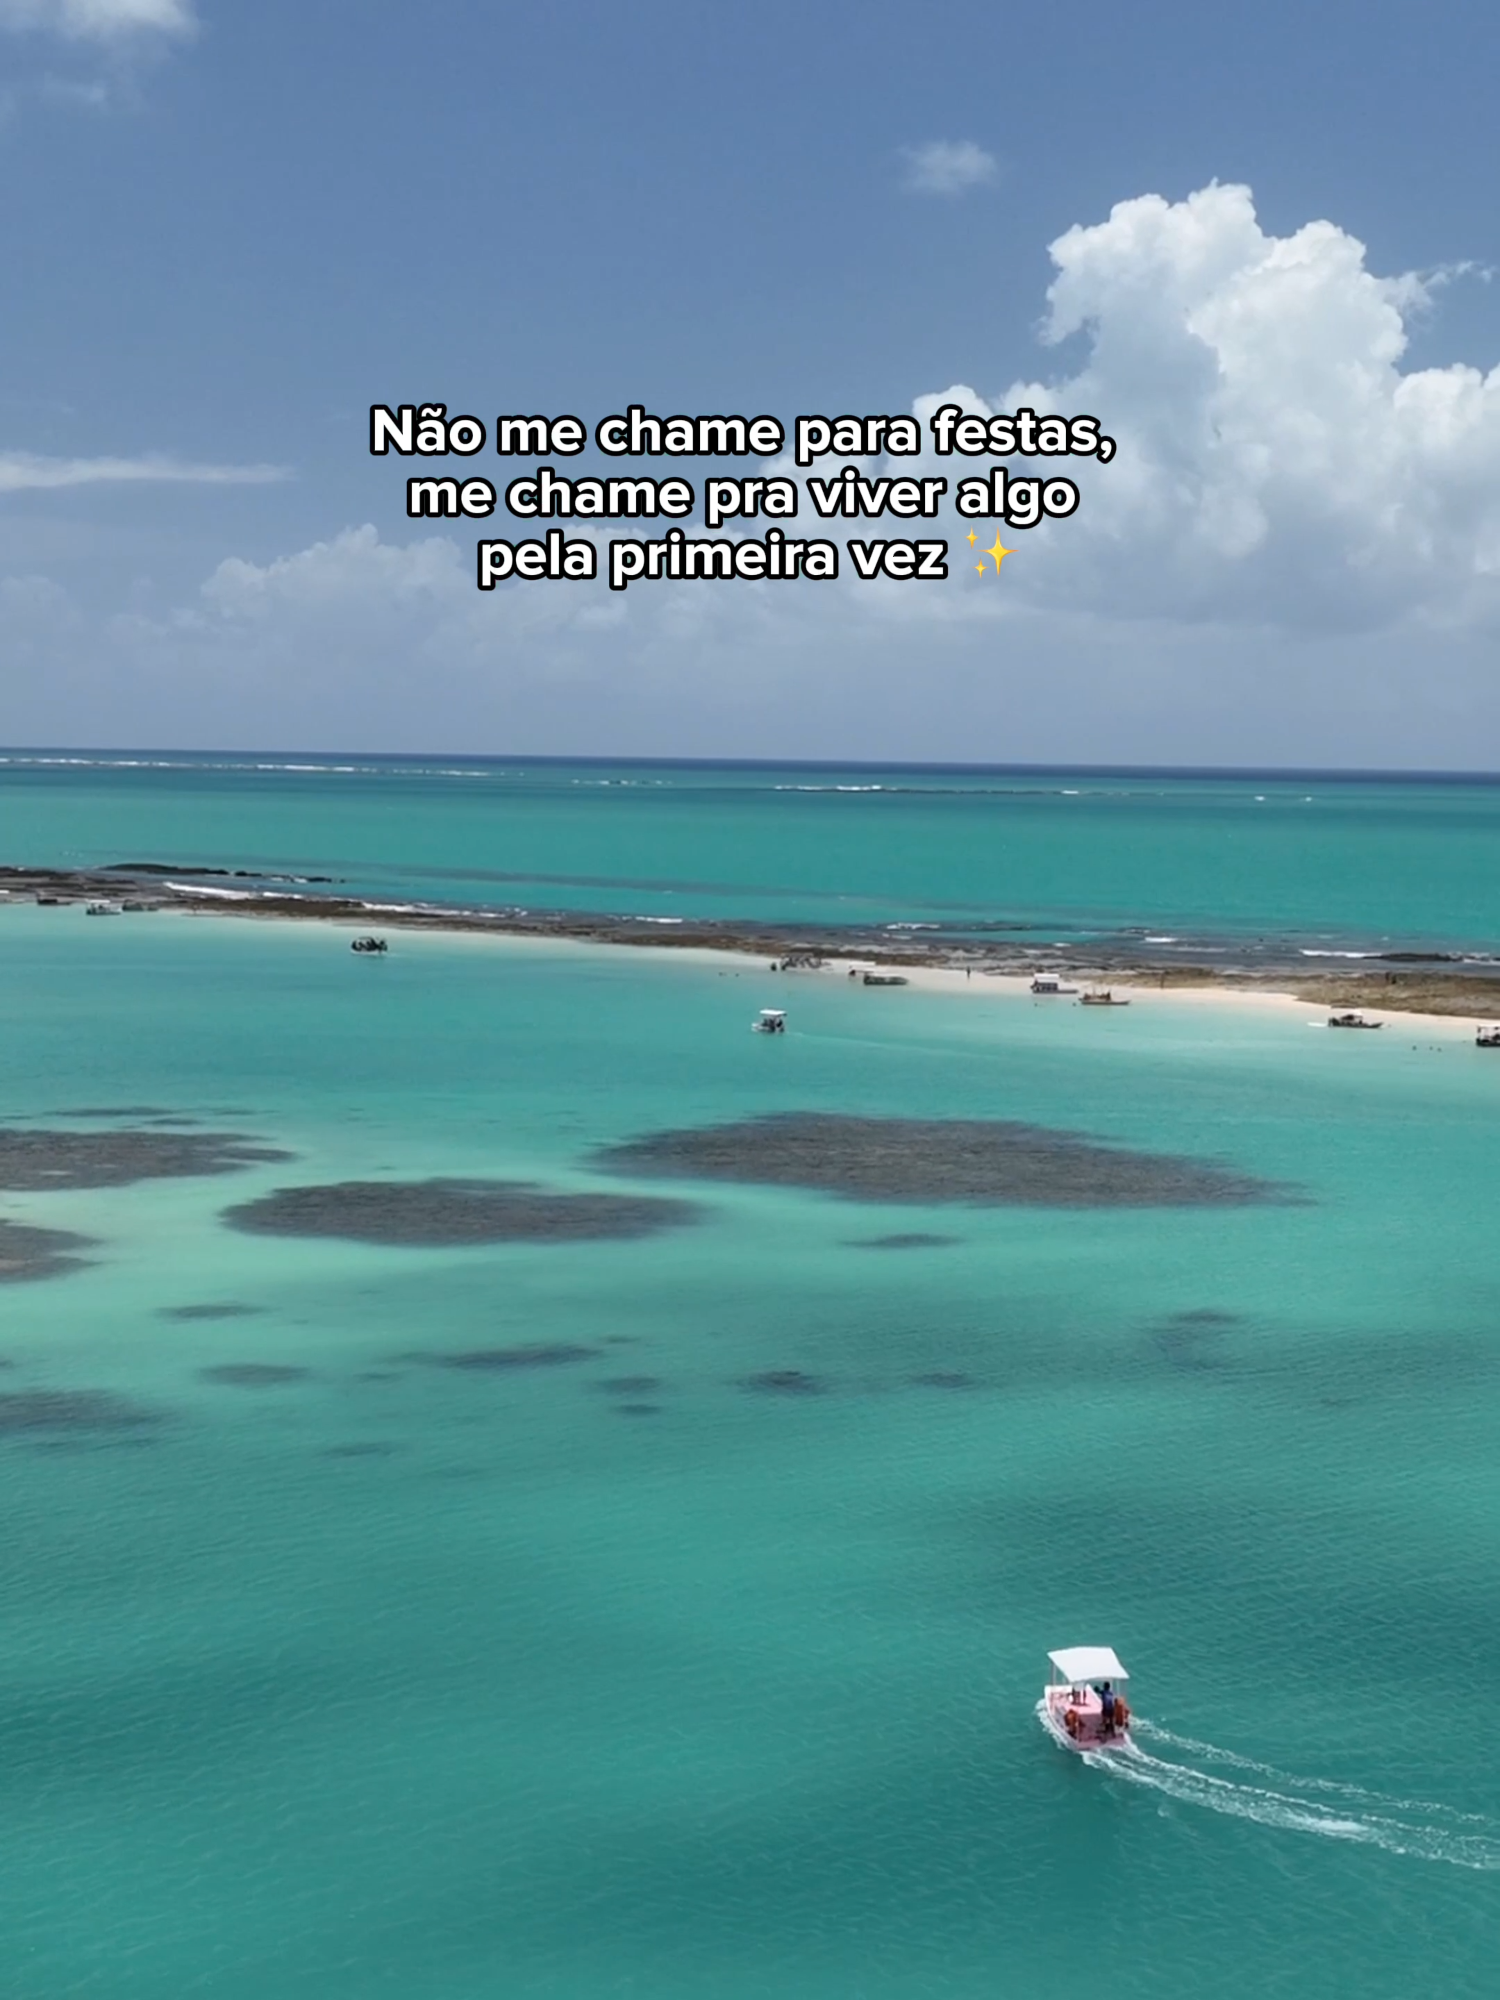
<point x="1334" y="1786"/>
<point x="1318" y="1806"/>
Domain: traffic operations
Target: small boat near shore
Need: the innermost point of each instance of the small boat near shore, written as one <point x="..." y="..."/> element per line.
<point x="1082" y="1706"/>
<point x="369" y="944"/>
<point x="102" y="910"/>
<point x="1352" y="1021"/>
<point x="770" y="1021"/>
<point x="886" y="979"/>
<point x="1048" y="984"/>
<point x="1100" y="996"/>
<point x="1487" y="1038"/>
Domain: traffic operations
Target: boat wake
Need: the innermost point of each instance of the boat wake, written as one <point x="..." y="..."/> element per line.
<point x="1200" y="1774"/>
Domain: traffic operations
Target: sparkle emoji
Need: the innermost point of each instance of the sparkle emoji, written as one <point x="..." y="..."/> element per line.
<point x="999" y="552"/>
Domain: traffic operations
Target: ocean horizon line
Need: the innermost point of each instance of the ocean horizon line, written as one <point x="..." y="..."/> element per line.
<point x="85" y="754"/>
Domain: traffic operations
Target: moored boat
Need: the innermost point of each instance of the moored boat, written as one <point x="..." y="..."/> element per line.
<point x="1048" y="983"/>
<point x="1100" y="996"/>
<point x="1083" y="1706"/>
<point x="1352" y="1021"/>
<point x="1487" y="1038"/>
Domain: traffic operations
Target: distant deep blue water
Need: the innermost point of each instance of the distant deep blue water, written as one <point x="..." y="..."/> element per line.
<point x="391" y="1681"/>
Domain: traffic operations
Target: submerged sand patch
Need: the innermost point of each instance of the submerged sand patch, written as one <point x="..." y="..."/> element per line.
<point x="38" y="1160"/>
<point x="439" y="1213"/>
<point x="982" y="1162"/>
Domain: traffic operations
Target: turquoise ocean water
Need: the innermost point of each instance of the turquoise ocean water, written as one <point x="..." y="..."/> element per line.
<point x="395" y="1680"/>
<point x="1255" y="864"/>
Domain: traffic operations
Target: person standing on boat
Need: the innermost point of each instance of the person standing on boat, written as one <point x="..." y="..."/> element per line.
<point x="1107" y="1708"/>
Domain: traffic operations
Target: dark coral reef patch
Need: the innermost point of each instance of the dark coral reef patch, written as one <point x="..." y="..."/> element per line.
<point x="500" y="1360"/>
<point x="24" y="1410"/>
<point x="26" y="1252"/>
<point x="440" y="1213"/>
<point x="985" y="1162"/>
<point x="212" y="1309"/>
<point x="40" y="1160"/>
<point x="115" y="1111"/>
<point x="784" y="1382"/>
<point x="253" y="1374"/>
<point x="905" y="1239"/>
<point x="1188" y="1340"/>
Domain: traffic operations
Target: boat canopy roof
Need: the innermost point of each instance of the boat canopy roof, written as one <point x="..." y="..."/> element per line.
<point x="773" y="1013"/>
<point x="1088" y="1663"/>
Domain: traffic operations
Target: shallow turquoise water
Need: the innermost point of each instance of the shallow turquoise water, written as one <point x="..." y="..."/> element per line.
<point x="540" y="1698"/>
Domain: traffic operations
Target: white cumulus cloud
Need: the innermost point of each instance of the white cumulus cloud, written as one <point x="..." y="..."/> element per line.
<point x="947" y="166"/>
<point x="99" y="20"/>
<point x="1276" y="462"/>
<point x="29" y="472"/>
<point x="354" y="568"/>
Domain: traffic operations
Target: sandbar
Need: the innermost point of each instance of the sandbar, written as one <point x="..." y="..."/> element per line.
<point x="1442" y="986"/>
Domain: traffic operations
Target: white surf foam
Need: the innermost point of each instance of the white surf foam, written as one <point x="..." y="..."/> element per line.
<point x="215" y="895"/>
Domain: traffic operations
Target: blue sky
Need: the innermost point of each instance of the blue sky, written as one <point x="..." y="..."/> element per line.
<point x="227" y="230"/>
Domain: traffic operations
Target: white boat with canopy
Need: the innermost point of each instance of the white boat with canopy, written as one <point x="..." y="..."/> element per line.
<point x="1083" y="1706"/>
